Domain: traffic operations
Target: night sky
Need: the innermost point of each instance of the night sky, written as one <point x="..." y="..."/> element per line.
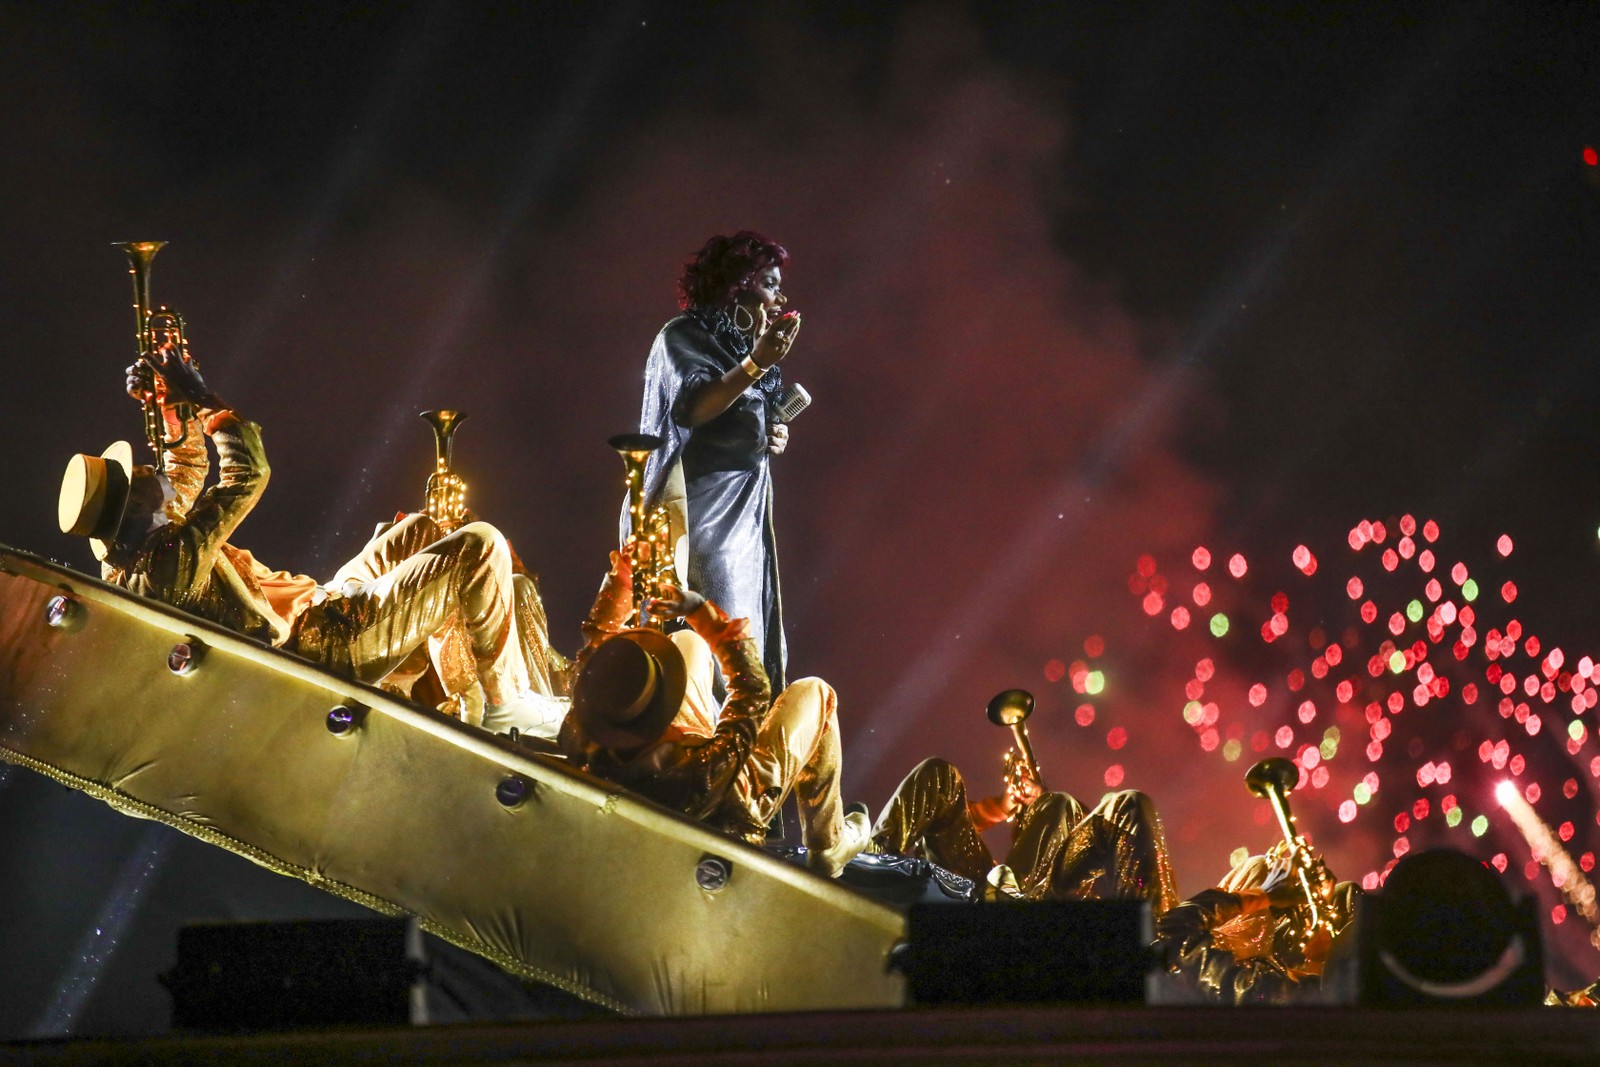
<point x="1080" y="286"/>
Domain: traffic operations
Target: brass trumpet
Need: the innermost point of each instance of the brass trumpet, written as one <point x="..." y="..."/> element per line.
<point x="445" y="497"/>
<point x="1274" y="779"/>
<point x="150" y="323"/>
<point x="649" y="526"/>
<point x="1011" y="709"/>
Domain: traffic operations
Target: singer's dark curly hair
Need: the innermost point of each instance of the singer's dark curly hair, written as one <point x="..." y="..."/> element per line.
<point x="725" y="265"/>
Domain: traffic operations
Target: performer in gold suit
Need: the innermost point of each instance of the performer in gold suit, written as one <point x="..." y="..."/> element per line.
<point x="161" y="535"/>
<point x="1059" y="850"/>
<point x="643" y="716"/>
<point x="1239" y="943"/>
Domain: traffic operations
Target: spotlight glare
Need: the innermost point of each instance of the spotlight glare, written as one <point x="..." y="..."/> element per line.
<point x="1506" y="794"/>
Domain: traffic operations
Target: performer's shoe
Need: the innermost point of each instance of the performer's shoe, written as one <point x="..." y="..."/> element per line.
<point x="1002" y="884"/>
<point x="533" y="714"/>
<point x="830" y="861"/>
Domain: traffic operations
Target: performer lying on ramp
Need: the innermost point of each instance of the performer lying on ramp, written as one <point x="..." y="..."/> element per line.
<point x="1059" y="851"/>
<point x="160" y="534"/>
<point x="643" y="716"/>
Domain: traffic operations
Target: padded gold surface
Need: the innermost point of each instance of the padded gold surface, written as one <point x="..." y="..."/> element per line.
<point x="579" y="885"/>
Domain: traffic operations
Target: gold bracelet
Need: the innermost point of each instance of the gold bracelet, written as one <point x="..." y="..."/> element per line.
<point x="752" y="368"/>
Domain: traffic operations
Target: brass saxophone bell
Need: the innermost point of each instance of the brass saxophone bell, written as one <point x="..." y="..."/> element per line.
<point x="445" y="496"/>
<point x="444" y="423"/>
<point x="635" y="445"/>
<point x="651" y="527"/>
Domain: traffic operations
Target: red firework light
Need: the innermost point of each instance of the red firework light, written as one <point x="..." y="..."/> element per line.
<point x="1451" y="693"/>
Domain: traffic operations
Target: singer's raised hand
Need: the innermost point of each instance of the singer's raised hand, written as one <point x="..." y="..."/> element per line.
<point x="775" y="340"/>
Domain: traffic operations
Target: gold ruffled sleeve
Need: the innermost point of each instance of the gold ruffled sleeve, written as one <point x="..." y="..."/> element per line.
<point x="1208" y="972"/>
<point x="187" y="463"/>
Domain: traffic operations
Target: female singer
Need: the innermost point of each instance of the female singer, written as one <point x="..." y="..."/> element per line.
<point x="711" y="387"/>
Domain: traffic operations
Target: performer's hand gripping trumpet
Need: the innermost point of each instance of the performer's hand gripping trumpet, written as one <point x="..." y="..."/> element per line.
<point x="1317" y="916"/>
<point x="155" y="328"/>
<point x="1023" y="781"/>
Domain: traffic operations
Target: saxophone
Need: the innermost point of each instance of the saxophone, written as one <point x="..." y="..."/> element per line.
<point x="650" y="528"/>
<point x="445" y="497"/>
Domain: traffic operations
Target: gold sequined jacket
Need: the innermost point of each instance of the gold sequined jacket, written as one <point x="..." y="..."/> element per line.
<point x="1196" y="959"/>
<point x="692" y="775"/>
<point x="188" y="563"/>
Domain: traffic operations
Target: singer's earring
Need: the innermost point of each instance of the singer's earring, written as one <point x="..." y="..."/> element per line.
<point x="748" y="326"/>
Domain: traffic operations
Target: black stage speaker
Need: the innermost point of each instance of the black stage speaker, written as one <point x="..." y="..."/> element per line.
<point x="287" y="975"/>
<point x="232" y="977"/>
<point x="1028" y="952"/>
<point x="1444" y="931"/>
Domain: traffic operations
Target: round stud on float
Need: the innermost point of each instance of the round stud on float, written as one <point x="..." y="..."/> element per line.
<point x="343" y="720"/>
<point x="185" y="657"/>
<point x="712" y="873"/>
<point x="63" y="613"/>
<point x="512" y="791"/>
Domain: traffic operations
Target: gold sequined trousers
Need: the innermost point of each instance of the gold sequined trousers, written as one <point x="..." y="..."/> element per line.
<point x="413" y="586"/>
<point x="797" y="748"/>
<point x="1116" y="850"/>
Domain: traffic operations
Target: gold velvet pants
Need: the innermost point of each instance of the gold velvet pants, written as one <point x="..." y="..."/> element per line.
<point x="1060" y="851"/>
<point x="411" y="586"/>
<point x="797" y="748"/>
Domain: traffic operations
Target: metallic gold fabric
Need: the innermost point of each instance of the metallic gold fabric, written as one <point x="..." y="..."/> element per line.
<point x="697" y="715"/>
<point x="578" y="884"/>
<point x="927" y="817"/>
<point x="797" y="748"/>
<point x="1199" y="969"/>
<point x="547" y="668"/>
<point x="1250" y="933"/>
<point x="410" y="585"/>
<point x="691" y="774"/>
<point x="732" y="765"/>
<point x="1115" y="851"/>
<point x="1227" y="946"/>
<point x="187" y="464"/>
<point x="185" y="563"/>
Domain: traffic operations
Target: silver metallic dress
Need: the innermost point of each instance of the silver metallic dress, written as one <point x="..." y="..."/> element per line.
<point x="715" y="478"/>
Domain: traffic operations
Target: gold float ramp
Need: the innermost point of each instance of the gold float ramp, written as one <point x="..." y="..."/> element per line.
<point x="576" y="884"/>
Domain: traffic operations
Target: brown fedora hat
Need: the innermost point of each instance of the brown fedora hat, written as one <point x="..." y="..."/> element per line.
<point x="94" y="495"/>
<point x="629" y="689"/>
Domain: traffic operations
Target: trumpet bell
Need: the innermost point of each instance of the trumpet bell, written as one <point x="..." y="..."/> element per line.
<point x="1272" y="775"/>
<point x="1011" y="707"/>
